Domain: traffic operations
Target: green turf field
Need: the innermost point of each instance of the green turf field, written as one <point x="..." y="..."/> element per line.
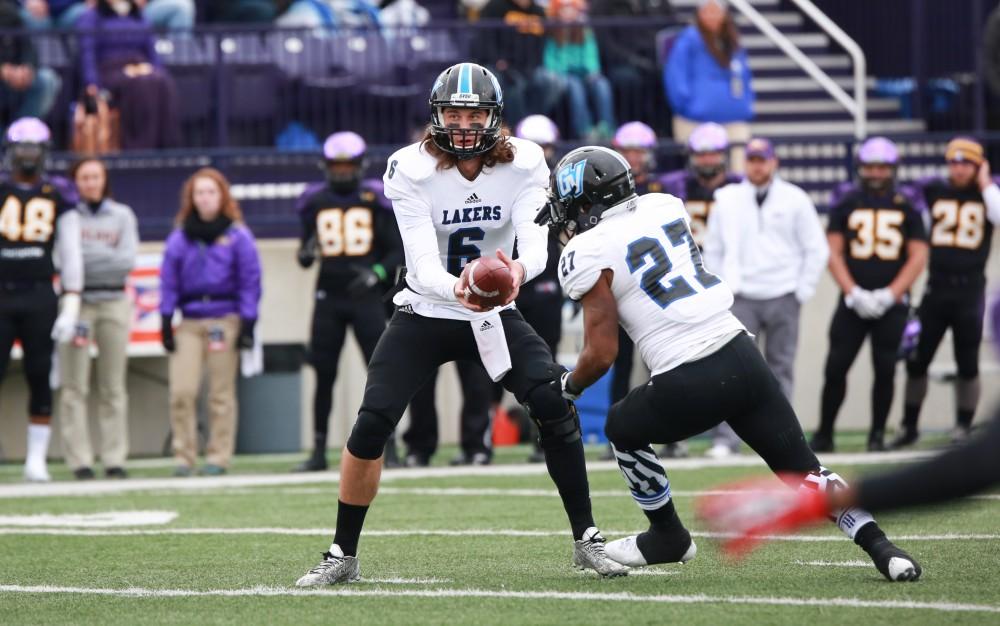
<point x="445" y="546"/>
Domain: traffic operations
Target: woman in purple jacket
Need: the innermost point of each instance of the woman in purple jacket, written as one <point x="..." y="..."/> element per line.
<point x="117" y="54"/>
<point x="211" y="272"/>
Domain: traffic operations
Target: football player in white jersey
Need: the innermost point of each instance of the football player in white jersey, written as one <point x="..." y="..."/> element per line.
<point x="462" y="192"/>
<point x="631" y="260"/>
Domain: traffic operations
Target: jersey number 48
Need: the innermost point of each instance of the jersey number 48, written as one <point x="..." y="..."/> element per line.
<point x="33" y="224"/>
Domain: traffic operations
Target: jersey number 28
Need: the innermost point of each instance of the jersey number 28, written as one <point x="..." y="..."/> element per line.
<point x="652" y="277"/>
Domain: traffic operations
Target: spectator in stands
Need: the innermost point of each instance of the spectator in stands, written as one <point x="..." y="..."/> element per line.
<point x="242" y="11"/>
<point x="330" y="14"/>
<point x="167" y="14"/>
<point x="395" y="15"/>
<point x="26" y="90"/>
<point x="629" y="56"/>
<point x="211" y="272"/>
<point x="571" y="52"/>
<point x="766" y="241"/>
<point x="46" y="14"/>
<point x="707" y="78"/>
<point x="991" y="51"/>
<point x="110" y="236"/>
<point x="117" y="54"/>
<point x="515" y="55"/>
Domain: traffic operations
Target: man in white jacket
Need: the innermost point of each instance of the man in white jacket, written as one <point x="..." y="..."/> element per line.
<point x="766" y="241"/>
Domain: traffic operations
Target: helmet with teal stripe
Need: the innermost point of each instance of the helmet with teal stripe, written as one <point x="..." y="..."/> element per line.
<point x="466" y="86"/>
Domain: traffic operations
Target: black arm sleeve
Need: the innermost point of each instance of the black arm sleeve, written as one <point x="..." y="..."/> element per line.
<point x="959" y="472"/>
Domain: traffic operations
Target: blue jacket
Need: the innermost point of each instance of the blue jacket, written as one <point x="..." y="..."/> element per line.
<point x="702" y="91"/>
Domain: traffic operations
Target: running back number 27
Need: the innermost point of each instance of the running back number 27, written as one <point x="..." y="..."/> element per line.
<point x="650" y="253"/>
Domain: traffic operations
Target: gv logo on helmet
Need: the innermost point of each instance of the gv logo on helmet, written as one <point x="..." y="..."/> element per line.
<point x="570" y="179"/>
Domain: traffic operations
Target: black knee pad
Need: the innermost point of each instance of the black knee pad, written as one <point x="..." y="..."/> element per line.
<point x="556" y="418"/>
<point x="368" y="437"/>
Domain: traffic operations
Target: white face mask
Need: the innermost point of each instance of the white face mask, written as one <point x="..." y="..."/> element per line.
<point x="122" y="7"/>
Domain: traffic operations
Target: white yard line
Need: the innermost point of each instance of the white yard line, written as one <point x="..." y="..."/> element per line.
<point x="104" y="487"/>
<point x="90" y="520"/>
<point x="835" y="563"/>
<point x="471" y="532"/>
<point x="487" y="594"/>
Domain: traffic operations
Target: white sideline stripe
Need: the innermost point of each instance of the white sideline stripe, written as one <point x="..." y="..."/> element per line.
<point x="470" y="532"/>
<point x="653" y="572"/>
<point x="91" y="520"/>
<point x="208" y="483"/>
<point x="835" y="563"/>
<point x="392" y="580"/>
<point x="139" y="592"/>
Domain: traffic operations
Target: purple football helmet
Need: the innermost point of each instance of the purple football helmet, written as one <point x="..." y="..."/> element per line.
<point x="339" y="149"/>
<point x="539" y="129"/>
<point x="878" y="151"/>
<point x="635" y="135"/>
<point x="911" y="336"/>
<point x="27" y="143"/>
<point x="708" y="137"/>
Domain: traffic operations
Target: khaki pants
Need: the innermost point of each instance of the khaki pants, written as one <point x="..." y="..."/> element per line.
<point x="193" y="351"/>
<point x="108" y="324"/>
<point x="738" y="132"/>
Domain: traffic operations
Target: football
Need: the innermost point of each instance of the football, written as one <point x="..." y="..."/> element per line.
<point x="490" y="281"/>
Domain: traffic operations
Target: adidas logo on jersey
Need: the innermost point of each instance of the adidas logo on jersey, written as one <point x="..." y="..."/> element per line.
<point x="472" y="198"/>
<point x="485" y="326"/>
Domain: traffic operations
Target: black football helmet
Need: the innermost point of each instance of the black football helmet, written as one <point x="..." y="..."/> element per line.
<point x="466" y="85"/>
<point x="585" y="184"/>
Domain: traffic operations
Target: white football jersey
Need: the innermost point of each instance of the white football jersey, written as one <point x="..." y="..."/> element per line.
<point x="446" y="221"/>
<point x="669" y="305"/>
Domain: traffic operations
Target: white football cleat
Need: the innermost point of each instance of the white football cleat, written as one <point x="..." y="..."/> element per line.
<point x="719" y="451"/>
<point x="335" y="568"/>
<point x="588" y="553"/>
<point x="626" y="551"/>
<point x="35" y="471"/>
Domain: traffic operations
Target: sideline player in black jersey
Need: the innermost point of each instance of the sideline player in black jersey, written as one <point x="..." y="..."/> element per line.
<point x="36" y="219"/>
<point x="878" y="247"/>
<point x="963" y="209"/>
<point x="708" y="147"/>
<point x="360" y="249"/>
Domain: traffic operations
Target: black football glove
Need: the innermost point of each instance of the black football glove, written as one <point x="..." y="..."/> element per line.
<point x="562" y="384"/>
<point x="307" y="252"/>
<point x="167" y="334"/>
<point x="365" y="279"/>
<point x="245" y="340"/>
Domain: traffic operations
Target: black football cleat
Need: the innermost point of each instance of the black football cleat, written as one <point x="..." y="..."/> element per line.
<point x="906" y="438"/>
<point x="315" y="463"/>
<point x="821" y="442"/>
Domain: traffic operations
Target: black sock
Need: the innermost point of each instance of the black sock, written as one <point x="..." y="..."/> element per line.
<point x="568" y="470"/>
<point x="911" y="413"/>
<point x="868" y="535"/>
<point x="350" y="519"/>
<point x="965" y="418"/>
<point x="664" y="519"/>
<point x="319" y="441"/>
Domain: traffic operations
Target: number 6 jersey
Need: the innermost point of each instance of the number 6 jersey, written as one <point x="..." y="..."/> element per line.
<point x="446" y="221"/>
<point x="669" y="305"/>
<point x="28" y="218"/>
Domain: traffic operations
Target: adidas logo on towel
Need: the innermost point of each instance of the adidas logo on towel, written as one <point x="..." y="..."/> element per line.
<point x="472" y="198"/>
<point x="485" y="326"/>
